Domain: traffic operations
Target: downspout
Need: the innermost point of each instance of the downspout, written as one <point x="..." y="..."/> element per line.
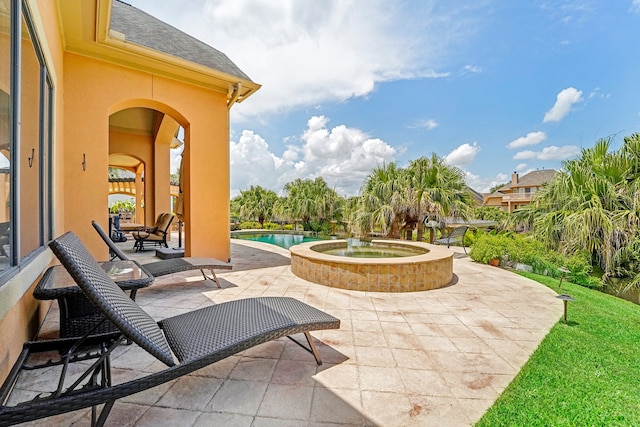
<point x="234" y="94"/>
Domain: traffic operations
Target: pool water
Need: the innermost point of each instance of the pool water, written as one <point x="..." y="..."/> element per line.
<point x="373" y="252"/>
<point x="282" y="240"/>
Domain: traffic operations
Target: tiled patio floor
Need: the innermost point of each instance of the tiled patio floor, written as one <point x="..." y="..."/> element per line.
<point x="435" y="358"/>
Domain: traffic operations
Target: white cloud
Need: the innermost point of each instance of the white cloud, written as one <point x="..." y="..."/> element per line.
<point x="425" y="123"/>
<point x="463" y="155"/>
<point x="564" y="101"/>
<point x="307" y="52"/>
<point x="472" y="68"/>
<point x="532" y="138"/>
<point x="596" y="93"/>
<point x="521" y="166"/>
<point x="483" y="185"/>
<point x="343" y="156"/>
<point x="549" y="153"/>
<point x="252" y="163"/>
<point x="635" y="6"/>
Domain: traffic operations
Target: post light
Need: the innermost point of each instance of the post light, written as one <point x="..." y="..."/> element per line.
<point x="565" y="299"/>
<point x="563" y="271"/>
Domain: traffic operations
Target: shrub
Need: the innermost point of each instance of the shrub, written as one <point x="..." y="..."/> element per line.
<point x="123" y="206"/>
<point x="288" y="227"/>
<point x="487" y="247"/>
<point x="512" y="248"/>
<point x="248" y="225"/>
<point x="581" y="270"/>
<point x="271" y="226"/>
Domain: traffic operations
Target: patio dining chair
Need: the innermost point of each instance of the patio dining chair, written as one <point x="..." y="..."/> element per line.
<point x="184" y="343"/>
<point x="168" y="266"/>
<point x="156" y="235"/>
<point x="455" y="236"/>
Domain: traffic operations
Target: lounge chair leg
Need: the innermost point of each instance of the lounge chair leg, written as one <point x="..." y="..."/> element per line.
<point x="213" y="277"/>
<point x="314" y="350"/>
<point x="103" y="414"/>
<point x="311" y="349"/>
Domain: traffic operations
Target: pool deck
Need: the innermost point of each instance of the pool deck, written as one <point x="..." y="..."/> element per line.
<point x="431" y="358"/>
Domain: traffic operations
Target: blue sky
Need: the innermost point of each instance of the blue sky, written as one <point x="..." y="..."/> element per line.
<point x="491" y="86"/>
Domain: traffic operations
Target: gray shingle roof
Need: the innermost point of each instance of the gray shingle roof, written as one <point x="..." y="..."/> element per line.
<point x="532" y="179"/>
<point x="145" y="30"/>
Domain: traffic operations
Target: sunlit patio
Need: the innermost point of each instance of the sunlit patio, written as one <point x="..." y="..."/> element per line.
<point x="430" y="358"/>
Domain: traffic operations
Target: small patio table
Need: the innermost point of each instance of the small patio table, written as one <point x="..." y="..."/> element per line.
<point x="77" y="314"/>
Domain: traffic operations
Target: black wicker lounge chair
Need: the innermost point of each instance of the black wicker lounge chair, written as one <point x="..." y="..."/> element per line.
<point x="184" y="343"/>
<point x="169" y="266"/>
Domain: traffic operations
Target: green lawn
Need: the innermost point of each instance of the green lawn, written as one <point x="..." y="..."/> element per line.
<point x="584" y="373"/>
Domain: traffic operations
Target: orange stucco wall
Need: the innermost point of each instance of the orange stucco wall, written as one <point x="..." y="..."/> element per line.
<point x="87" y="92"/>
<point x="22" y="319"/>
<point x="140" y="147"/>
<point x="96" y="89"/>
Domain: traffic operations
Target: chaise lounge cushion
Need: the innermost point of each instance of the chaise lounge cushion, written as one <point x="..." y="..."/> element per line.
<point x="245" y="322"/>
<point x="156" y="234"/>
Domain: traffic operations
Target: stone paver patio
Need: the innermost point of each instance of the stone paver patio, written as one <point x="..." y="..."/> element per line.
<point x="434" y="358"/>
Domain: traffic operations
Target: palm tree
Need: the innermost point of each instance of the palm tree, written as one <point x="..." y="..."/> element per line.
<point x="256" y="203"/>
<point x="382" y="201"/>
<point x="440" y="192"/>
<point x="593" y="204"/>
<point x="397" y="200"/>
<point x="311" y="201"/>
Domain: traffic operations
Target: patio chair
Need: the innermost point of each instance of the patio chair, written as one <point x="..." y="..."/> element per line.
<point x="156" y="235"/>
<point x="169" y="266"/>
<point x="455" y="236"/>
<point x="4" y="238"/>
<point x="184" y="343"/>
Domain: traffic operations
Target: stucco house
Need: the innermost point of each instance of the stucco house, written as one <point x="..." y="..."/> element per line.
<point x="88" y="84"/>
<point x="520" y="190"/>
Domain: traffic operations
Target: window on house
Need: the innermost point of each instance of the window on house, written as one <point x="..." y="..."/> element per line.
<point x="5" y="132"/>
<point x="26" y="96"/>
<point x="28" y="176"/>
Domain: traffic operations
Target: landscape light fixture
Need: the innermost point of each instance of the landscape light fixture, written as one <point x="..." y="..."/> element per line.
<point x="565" y="298"/>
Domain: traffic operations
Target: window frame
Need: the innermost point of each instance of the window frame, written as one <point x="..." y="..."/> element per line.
<point x="20" y="10"/>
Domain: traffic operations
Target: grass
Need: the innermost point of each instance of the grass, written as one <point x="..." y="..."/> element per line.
<point x="584" y="373"/>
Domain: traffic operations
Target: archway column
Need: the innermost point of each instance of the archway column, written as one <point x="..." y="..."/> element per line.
<point x="139" y="195"/>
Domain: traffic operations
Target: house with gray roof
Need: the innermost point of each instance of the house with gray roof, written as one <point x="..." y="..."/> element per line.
<point x="520" y="191"/>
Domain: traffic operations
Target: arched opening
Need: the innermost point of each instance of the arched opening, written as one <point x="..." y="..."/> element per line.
<point x="145" y="146"/>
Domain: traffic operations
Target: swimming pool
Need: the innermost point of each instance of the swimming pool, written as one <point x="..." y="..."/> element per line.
<point x="283" y="240"/>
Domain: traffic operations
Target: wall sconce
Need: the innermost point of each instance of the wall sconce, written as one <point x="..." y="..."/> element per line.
<point x="30" y="159"/>
<point x="84" y="162"/>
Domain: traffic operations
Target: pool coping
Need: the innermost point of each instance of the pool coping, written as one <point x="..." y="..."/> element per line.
<point x="434" y="253"/>
<point x="427" y="271"/>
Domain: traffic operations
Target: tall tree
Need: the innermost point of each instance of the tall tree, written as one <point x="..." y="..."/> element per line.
<point x="382" y="201"/>
<point x="312" y="202"/>
<point x="399" y="200"/>
<point x="593" y="204"/>
<point x="256" y="203"/>
<point x="440" y="192"/>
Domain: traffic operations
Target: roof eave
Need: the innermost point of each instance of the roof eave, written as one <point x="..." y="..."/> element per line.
<point x="97" y="41"/>
<point x="165" y="62"/>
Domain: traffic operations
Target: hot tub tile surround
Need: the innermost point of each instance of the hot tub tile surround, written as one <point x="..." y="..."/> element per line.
<point x="430" y="270"/>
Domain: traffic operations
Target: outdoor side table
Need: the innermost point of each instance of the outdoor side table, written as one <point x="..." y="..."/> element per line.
<point x="77" y="314"/>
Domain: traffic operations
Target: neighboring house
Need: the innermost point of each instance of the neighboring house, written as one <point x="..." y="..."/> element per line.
<point x="519" y="191"/>
<point x="90" y="84"/>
